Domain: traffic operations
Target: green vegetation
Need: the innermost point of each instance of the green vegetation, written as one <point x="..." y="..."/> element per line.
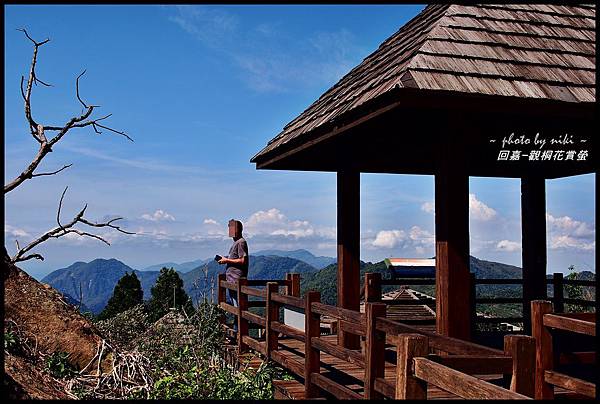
<point x="168" y="293"/>
<point x="59" y="366"/>
<point x="126" y="294"/>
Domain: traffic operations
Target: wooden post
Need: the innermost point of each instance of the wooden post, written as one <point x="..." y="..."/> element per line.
<point x="408" y="387"/>
<point x="543" y="348"/>
<point x="375" y="349"/>
<point x="312" y="328"/>
<point x="452" y="243"/>
<point x="271" y="314"/>
<point x="220" y="295"/>
<point x="522" y="350"/>
<point x="294" y="288"/>
<point x="559" y="293"/>
<point x="533" y="242"/>
<point x="242" y="322"/>
<point x="348" y="251"/>
<point x="372" y="287"/>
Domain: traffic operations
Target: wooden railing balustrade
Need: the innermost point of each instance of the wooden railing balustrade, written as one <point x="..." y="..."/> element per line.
<point x="374" y="283"/>
<point x="421" y="357"/>
<point x="544" y="322"/>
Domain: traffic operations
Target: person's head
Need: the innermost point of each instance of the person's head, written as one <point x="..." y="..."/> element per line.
<point x="235" y="228"/>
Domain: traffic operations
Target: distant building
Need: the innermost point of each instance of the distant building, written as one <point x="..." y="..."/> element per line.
<point x="411" y="267"/>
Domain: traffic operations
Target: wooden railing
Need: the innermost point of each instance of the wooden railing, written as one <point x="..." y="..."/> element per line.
<point x="374" y="283"/>
<point x="544" y="322"/>
<point x="246" y="319"/>
<point x="421" y="357"/>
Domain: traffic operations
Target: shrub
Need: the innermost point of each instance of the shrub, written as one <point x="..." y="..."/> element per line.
<point x="59" y="366"/>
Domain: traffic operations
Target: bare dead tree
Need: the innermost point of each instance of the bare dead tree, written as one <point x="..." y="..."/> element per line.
<point x="38" y="131"/>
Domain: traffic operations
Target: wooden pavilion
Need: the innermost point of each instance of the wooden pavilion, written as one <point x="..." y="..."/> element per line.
<point x="445" y="91"/>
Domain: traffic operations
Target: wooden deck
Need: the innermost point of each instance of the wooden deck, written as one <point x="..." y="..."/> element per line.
<point x="345" y="373"/>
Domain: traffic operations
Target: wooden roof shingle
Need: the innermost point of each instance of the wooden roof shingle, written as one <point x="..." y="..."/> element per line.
<point x="525" y="50"/>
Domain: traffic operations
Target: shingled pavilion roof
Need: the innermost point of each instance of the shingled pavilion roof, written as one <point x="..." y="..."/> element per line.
<point x="533" y="51"/>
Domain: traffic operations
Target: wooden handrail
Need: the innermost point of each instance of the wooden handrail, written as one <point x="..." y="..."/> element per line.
<point x="570" y="324"/>
<point x="295" y="366"/>
<point x="436" y="341"/>
<point x="341" y="392"/>
<point x="349" y="355"/>
<point x="263" y="282"/>
<point x="287" y="330"/>
<point x="460" y="384"/>
<point x="229" y="308"/>
<point x="255" y="318"/>
<point x="338" y="312"/>
<point x="228" y="285"/>
<point x="253" y="291"/>
<point x="570" y="383"/>
<point x="289" y="300"/>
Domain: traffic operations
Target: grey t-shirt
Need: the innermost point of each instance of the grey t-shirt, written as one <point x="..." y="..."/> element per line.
<point x="239" y="249"/>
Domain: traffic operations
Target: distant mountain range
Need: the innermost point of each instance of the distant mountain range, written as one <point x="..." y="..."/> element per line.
<point x="318" y="262"/>
<point x="302" y="255"/>
<point x="98" y="278"/>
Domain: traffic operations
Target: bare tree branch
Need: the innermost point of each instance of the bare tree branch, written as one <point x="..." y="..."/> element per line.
<point x="37" y="130"/>
<point x="77" y="89"/>
<point x="53" y="172"/>
<point x="63" y="230"/>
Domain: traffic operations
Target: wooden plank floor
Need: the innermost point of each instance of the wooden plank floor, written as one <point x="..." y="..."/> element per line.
<point x="345" y="373"/>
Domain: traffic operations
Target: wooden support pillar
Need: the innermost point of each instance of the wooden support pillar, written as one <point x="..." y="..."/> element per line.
<point x="348" y="251"/>
<point x="452" y="279"/>
<point x="533" y="243"/>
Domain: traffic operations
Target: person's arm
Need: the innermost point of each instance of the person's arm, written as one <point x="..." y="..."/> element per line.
<point x="234" y="261"/>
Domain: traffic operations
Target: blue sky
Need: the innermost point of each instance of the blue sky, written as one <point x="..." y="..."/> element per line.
<point x="201" y="89"/>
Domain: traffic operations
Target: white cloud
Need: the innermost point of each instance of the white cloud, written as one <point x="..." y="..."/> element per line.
<point x="15" y="231"/>
<point x="568" y="233"/>
<point x="416" y="239"/>
<point x="158" y="216"/>
<point x="479" y="210"/>
<point x="428" y="207"/>
<point x="211" y="221"/>
<point x="508" y="246"/>
<point x="389" y="238"/>
<point x="273" y="222"/>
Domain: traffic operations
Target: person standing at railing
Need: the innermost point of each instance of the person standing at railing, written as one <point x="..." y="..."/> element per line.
<point x="237" y="260"/>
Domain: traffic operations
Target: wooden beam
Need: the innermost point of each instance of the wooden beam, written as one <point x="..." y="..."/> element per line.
<point x="452" y="243"/>
<point x="348" y="251"/>
<point x="533" y="242"/>
<point x="570" y="383"/>
<point x="461" y="384"/>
